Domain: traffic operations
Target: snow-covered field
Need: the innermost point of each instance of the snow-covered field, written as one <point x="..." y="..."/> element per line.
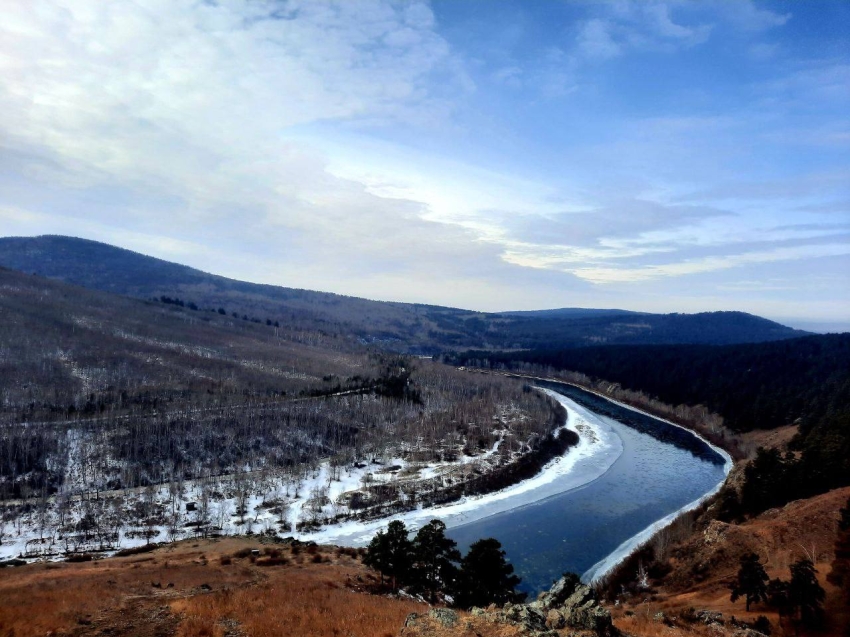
<point x="598" y="448"/>
<point x="313" y="495"/>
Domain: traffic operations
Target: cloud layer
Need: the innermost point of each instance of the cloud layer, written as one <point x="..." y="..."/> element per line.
<point x="536" y="155"/>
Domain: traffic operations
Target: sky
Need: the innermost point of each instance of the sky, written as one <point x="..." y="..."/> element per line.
<point x="677" y="156"/>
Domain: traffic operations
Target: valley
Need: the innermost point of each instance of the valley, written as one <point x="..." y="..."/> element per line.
<point x="169" y="415"/>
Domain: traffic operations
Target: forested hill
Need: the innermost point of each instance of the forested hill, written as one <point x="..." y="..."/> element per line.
<point x="803" y="381"/>
<point x="413" y="328"/>
<point x="759" y="385"/>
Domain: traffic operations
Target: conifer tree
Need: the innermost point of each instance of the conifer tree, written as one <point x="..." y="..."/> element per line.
<point x="486" y="577"/>
<point x="751" y="582"/>
<point x="391" y="554"/>
<point x="435" y="557"/>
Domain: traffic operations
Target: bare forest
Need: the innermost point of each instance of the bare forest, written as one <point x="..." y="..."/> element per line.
<point x="124" y="421"/>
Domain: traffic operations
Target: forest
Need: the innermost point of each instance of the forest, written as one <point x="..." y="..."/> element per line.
<point x="803" y="382"/>
<point x="411" y="328"/>
<point x="117" y="412"/>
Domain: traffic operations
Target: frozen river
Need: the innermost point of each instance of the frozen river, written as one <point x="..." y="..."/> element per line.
<point x="660" y="469"/>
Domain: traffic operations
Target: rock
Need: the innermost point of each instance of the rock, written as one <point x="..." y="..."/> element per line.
<point x="579" y="597"/>
<point x="715" y="532"/>
<point x="444" y="616"/>
<point x="411" y="620"/>
<point x="709" y="617"/>
<point x="531" y="618"/>
<point x="555" y="619"/>
<point x="559" y="593"/>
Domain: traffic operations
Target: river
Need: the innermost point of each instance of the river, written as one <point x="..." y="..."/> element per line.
<point x="661" y="469"/>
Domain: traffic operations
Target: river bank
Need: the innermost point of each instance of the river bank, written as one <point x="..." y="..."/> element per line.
<point x="662" y="470"/>
<point x="598" y="448"/>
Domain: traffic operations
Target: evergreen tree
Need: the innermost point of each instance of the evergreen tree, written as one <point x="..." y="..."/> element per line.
<point x="805" y="593"/>
<point x="434" y="557"/>
<point x="766" y="481"/>
<point x="485" y="577"/>
<point x="751" y="582"/>
<point x="391" y="554"/>
<point x="778" y="596"/>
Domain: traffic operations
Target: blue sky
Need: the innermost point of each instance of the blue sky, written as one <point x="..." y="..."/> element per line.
<point x="658" y="156"/>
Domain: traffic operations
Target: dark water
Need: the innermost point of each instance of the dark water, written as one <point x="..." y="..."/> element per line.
<point x="662" y="469"/>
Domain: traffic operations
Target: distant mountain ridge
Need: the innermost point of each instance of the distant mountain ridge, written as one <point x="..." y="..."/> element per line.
<point x="404" y="327"/>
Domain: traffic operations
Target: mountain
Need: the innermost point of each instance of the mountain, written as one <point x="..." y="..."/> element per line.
<point x="404" y="327"/>
<point x="569" y="312"/>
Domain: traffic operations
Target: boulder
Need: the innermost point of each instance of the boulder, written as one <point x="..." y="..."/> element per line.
<point x="555" y="619"/>
<point x="446" y="617"/>
<point x="709" y="617"/>
<point x="411" y="620"/>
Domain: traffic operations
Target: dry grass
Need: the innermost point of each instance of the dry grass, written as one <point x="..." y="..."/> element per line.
<point x="779" y="536"/>
<point x="303" y="603"/>
<point x="200" y="589"/>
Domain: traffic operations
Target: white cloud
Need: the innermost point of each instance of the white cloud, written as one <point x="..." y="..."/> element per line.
<point x="596" y="42"/>
<point x="605" y="275"/>
<point x="617" y="27"/>
<point x="187" y="109"/>
<point x="262" y="140"/>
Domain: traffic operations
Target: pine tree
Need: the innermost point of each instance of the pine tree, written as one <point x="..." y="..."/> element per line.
<point x="751" y="582"/>
<point x="485" y="577"/>
<point x="805" y="593"/>
<point x="391" y="554"/>
<point x="434" y="556"/>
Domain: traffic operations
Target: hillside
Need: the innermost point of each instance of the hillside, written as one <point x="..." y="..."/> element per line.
<point x="802" y="382"/>
<point x="202" y="588"/>
<point x="412" y="328"/>
<point x="161" y="408"/>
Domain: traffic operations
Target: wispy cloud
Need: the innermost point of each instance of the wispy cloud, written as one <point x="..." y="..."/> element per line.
<point x="537" y="154"/>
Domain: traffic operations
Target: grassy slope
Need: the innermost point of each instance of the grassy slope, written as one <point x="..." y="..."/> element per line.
<point x="779" y="536"/>
<point x="213" y="594"/>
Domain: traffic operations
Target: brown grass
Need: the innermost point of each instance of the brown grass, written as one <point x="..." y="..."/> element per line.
<point x="302" y="603"/>
<point x="779" y="536"/>
<point x="212" y="591"/>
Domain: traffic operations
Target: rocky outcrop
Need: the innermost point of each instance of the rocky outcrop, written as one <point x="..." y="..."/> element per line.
<point x="568" y="608"/>
<point x="571" y="604"/>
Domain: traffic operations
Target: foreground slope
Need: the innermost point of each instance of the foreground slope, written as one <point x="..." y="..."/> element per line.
<point x="205" y="588"/>
<point x="397" y="326"/>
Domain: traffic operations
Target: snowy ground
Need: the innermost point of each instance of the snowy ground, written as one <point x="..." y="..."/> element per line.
<point x="315" y="495"/>
<point x="598" y="448"/>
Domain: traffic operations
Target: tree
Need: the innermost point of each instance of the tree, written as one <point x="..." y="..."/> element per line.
<point x="751" y="582"/>
<point x="485" y="577"/>
<point x="434" y="557"/>
<point x="778" y="596"/>
<point x="767" y="481"/>
<point x="840" y="573"/>
<point x="391" y="554"/>
<point x="805" y="593"/>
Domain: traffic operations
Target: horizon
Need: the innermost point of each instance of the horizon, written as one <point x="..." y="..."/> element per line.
<point x="811" y="326"/>
<point x="657" y="157"/>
